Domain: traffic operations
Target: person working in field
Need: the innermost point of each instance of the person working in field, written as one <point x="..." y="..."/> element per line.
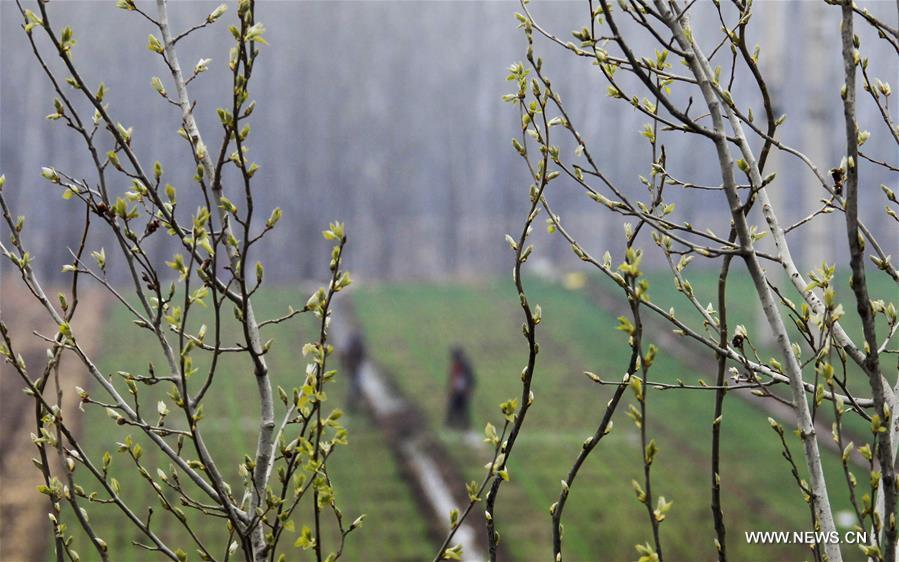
<point x="460" y="390"/>
<point x="352" y="359"/>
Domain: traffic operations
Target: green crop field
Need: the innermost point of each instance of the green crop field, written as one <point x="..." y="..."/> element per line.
<point x="365" y="475"/>
<point x="411" y="326"/>
<point x="743" y="302"/>
<point x="744" y="309"/>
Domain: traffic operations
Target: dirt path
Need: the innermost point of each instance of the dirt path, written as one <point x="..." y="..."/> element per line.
<point x="437" y="483"/>
<point x="24" y="528"/>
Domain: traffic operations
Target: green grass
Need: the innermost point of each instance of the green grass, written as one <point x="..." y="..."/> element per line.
<point x="743" y="308"/>
<point x="411" y="326"/>
<point x="409" y="329"/>
<point x="365" y="476"/>
<point x="743" y="302"/>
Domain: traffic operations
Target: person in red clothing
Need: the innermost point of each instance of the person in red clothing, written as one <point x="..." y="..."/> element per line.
<point x="460" y="389"/>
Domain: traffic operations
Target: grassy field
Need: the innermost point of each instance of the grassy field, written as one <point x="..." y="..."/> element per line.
<point x="743" y="302"/>
<point x="743" y="309"/>
<point x="411" y="326"/>
<point x="366" y="477"/>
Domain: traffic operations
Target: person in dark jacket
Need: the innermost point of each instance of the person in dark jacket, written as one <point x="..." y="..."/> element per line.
<point x="352" y="359"/>
<point x="460" y="389"/>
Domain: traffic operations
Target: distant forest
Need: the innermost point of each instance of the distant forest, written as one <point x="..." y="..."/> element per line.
<point x="388" y="116"/>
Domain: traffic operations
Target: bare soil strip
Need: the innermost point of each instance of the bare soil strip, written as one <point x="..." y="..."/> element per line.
<point x="435" y="480"/>
<point x="24" y="527"/>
